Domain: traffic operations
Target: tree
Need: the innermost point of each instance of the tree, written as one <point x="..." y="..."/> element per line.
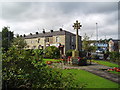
<point x="86" y="44"/>
<point x="87" y="47"/>
<point x="114" y="56"/>
<point x="19" y="42"/>
<point x="0" y="40"/>
<point x="7" y="37"/>
<point x="52" y="52"/>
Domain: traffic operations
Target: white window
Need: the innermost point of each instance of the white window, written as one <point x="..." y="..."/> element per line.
<point x="72" y="38"/>
<point x="57" y="39"/>
<point x="34" y="47"/>
<point x="32" y="41"/>
<point x="27" y="41"/>
<point x="72" y="46"/>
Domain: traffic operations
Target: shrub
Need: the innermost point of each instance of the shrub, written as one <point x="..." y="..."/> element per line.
<point x="52" y="52"/>
<point x="114" y="56"/>
<point x="82" y="54"/>
<point x="69" y="52"/>
<point x="25" y="69"/>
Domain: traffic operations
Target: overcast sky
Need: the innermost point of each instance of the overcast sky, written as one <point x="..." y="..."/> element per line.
<point x="31" y="17"/>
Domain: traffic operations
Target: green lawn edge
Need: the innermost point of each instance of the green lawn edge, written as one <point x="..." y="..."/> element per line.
<point x="106" y="63"/>
<point x="53" y="60"/>
<point x="90" y="80"/>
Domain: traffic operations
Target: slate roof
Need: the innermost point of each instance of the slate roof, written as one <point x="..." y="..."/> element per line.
<point x="47" y="34"/>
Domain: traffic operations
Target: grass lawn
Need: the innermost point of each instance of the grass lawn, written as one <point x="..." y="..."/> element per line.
<point x="53" y="60"/>
<point x="106" y="63"/>
<point x="118" y="73"/>
<point x="91" y="80"/>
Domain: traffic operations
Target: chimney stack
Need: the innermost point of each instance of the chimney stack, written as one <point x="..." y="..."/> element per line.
<point x="60" y="29"/>
<point x="30" y="33"/>
<point x="44" y="31"/>
<point x="36" y="32"/>
<point x="51" y="31"/>
<point x="20" y="35"/>
<point x="24" y="35"/>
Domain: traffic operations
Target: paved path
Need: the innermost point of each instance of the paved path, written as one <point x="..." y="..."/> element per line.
<point x="95" y="69"/>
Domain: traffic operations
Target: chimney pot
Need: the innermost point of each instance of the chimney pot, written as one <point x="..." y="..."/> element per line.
<point x="51" y="31"/>
<point x="43" y="30"/>
<point x="20" y="35"/>
<point x="24" y="35"/>
<point x="36" y="32"/>
<point x="60" y="29"/>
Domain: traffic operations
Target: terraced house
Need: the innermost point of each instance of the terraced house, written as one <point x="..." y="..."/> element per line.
<point x="62" y="39"/>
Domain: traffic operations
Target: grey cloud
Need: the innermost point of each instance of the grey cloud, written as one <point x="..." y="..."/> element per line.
<point x="30" y="16"/>
<point x="89" y="7"/>
<point x="40" y="10"/>
<point x="13" y="11"/>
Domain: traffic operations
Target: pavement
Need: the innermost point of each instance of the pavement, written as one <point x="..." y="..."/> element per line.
<point x="95" y="69"/>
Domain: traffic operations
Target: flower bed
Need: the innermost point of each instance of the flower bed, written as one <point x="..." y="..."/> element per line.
<point x="82" y="61"/>
<point x="50" y="62"/>
<point x="114" y="69"/>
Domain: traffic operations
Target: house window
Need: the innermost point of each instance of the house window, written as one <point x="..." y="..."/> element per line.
<point x="27" y="41"/>
<point x="57" y="39"/>
<point x="72" y="46"/>
<point x="39" y="40"/>
<point x="31" y="41"/>
<point x="47" y="39"/>
<point x="34" y="47"/>
<point x="28" y="46"/>
<point x="72" y="38"/>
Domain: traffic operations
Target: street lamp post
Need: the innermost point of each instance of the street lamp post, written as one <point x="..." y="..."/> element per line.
<point x="97" y="36"/>
<point x="96" y="31"/>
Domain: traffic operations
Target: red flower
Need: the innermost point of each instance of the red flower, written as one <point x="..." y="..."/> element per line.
<point x="79" y="58"/>
<point x="61" y="59"/>
<point x="115" y="68"/>
<point x="110" y="70"/>
<point x="49" y="62"/>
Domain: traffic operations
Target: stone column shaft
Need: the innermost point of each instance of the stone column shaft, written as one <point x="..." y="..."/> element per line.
<point x="77" y="40"/>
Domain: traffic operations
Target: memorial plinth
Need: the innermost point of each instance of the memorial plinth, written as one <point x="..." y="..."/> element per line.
<point x="75" y="54"/>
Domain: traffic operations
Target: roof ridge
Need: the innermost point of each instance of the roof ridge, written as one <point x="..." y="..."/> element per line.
<point x="47" y="34"/>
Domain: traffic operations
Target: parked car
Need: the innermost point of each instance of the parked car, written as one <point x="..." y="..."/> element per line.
<point x="97" y="56"/>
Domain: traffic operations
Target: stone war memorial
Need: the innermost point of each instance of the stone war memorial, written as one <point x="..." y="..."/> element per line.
<point x="76" y="59"/>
